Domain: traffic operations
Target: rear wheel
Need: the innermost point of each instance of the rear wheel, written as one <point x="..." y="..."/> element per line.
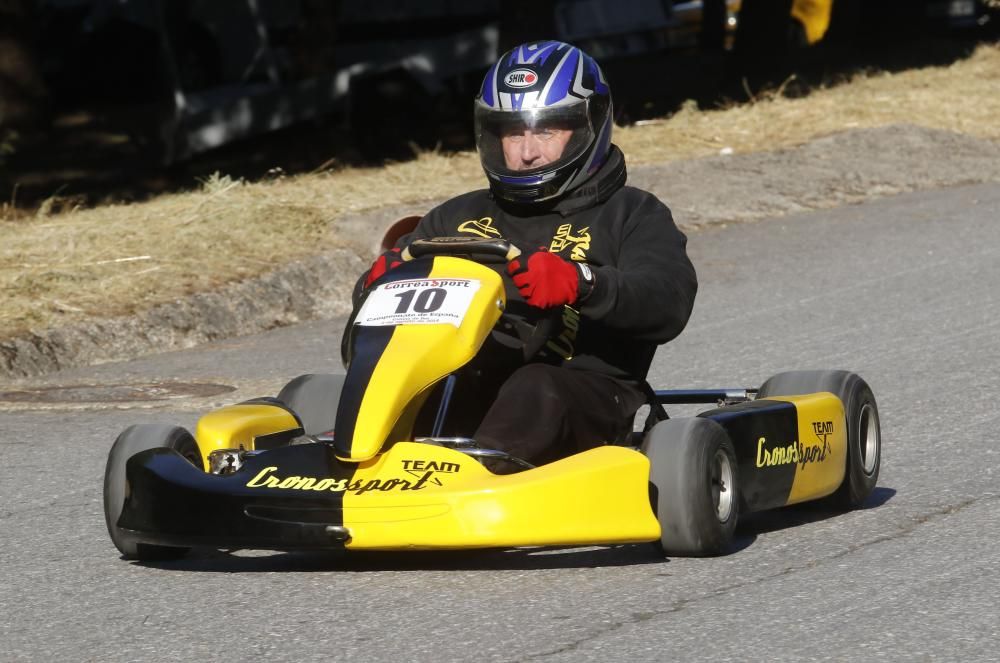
<point x="133" y="440"/>
<point x="864" y="437"/>
<point x="695" y="486"/>
<point x="314" y="399"/>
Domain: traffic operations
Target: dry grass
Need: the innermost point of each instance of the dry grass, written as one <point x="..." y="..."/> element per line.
<point x="117" y="259"/>
<point x="963" y="97"/>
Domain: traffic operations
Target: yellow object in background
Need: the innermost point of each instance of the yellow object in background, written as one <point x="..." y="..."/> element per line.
<point x="814" y="15"/>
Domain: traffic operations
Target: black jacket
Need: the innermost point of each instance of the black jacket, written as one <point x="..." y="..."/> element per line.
<point x="644" y="283"/>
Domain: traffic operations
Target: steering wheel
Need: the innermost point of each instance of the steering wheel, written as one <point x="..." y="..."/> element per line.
<point x="475" y="249"/>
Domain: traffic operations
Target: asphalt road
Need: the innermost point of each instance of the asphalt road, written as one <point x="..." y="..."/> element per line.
<point x="903" y="291"/>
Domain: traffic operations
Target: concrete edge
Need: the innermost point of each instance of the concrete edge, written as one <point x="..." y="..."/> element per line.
<point x="316" y="287"/>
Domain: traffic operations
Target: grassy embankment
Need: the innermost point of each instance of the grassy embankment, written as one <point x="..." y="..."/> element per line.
<point x="115" y="259"/>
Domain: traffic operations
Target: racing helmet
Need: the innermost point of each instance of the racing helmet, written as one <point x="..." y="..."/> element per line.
<point x="547" y="84"/>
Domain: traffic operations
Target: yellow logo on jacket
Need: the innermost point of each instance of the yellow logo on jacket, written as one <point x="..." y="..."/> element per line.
<point x="564" y="237"/>
<point x="480" y="227"/>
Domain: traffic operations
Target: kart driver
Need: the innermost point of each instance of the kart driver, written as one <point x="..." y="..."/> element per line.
<point x="603" y="260"/>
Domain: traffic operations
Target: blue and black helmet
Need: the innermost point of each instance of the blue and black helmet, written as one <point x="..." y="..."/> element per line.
<point x="539" y="87"/>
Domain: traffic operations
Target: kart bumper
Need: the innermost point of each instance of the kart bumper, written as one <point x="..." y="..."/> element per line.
<point x="414" y="496"/>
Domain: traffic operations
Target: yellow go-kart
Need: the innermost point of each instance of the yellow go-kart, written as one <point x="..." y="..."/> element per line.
<point x="332" y="462"/>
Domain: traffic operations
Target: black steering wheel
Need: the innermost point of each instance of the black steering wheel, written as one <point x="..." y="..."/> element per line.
<point x="478" y="250"/>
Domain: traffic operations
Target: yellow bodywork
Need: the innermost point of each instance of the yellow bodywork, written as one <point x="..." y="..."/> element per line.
<point x="404" y="494"/>
<point x="417" y="356"/>
<point x="823" y="426"/>
<point x="423" y="496"/>
<point x="407" y="495"/>
<point x="236" y="427"/>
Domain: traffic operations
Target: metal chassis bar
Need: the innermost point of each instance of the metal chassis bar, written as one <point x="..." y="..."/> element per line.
<point x="694" y="396"/>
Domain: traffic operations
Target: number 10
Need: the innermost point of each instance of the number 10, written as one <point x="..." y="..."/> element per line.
<point x="427" y="301"/>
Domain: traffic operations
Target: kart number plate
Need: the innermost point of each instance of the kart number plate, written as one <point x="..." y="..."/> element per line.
<point x="418" y="302"/>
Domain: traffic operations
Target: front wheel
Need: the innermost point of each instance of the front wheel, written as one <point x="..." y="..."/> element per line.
<point x="864" y="436"/>
<point x="133" y="440"/>
<point x="314" y="399"/>
<point x="695" y="486"/>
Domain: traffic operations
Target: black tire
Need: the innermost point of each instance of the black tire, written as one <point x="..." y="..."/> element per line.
<point x="695" y="486"/>
<point x="864" y="437"/>
<point x="314" y="399"/>
<point x="133" y="440"/>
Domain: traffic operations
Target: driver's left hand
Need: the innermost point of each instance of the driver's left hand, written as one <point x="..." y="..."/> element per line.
<point x="547" y="280"/>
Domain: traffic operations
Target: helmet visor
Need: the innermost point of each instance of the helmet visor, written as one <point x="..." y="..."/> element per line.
<point x="531" y="141"/>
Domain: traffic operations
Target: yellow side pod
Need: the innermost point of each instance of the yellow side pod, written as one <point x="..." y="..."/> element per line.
<point x="822" y="433"/>
<point x="423" y="496"/>
<point x="236" y="426"/>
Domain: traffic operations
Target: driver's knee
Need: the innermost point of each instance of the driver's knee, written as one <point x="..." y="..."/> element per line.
<point x="540" y="381"/>
<point x="528" y="418"/>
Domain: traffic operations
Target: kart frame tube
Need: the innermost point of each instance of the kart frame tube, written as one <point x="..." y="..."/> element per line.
<point x="695" y="396"/>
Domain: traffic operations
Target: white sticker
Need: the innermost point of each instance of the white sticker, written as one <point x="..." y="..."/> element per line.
<point x="520" y="78"/>
<point x="418" y="302"/>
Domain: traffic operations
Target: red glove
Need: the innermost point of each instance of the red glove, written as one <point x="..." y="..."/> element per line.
<point x="383" y="264"/>
<point x="546" y="280"/>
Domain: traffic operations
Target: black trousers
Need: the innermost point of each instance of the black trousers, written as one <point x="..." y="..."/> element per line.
<point x="541" y="413"/>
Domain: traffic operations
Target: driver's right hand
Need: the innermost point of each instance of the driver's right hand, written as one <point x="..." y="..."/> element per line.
<point x="388" y="260"/>
<point x="547" y="280"/>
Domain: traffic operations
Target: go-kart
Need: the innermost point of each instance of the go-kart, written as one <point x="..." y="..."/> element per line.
<point x="332" y="462"/>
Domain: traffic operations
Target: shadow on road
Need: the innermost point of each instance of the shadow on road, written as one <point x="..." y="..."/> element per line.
<point x="804" y="514"/>
<point x="516" y="559"/>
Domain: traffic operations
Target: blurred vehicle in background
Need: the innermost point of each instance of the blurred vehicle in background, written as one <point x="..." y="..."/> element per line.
<point x="187" y="76"/>
<point x="961" y="13"/>
<point x="191" y="75"/>
<point x="202" y="73"/>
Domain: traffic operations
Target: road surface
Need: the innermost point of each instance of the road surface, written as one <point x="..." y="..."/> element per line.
<point x="903" y="290"/>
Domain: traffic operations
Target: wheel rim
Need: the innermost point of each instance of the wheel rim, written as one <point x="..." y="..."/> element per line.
<point x="869" y="437"/>
<point x="191" y="453"/>
<point x="722" y="485"/>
